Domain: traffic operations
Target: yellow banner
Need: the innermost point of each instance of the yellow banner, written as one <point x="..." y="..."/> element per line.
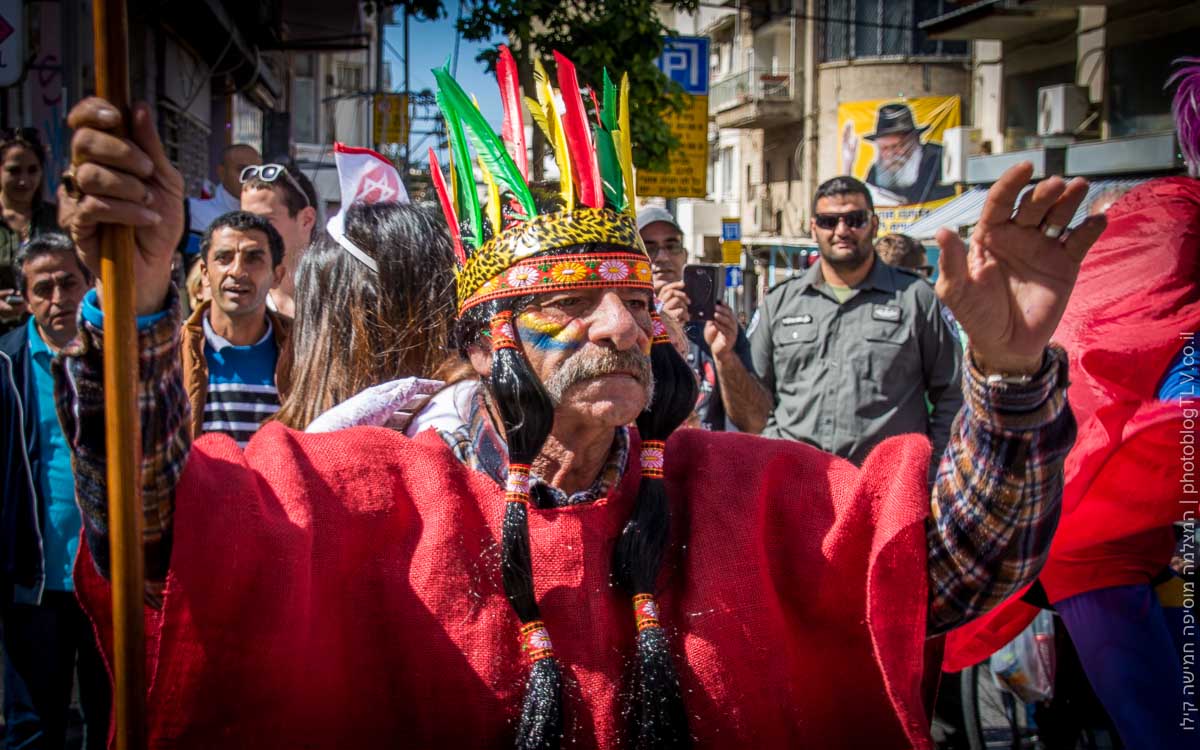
<point x="391" y="118"/>
<point x="895" y="146"/>
<point x="687" y="177"/>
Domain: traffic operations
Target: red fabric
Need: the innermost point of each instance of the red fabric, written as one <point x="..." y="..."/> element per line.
<point x="342" y="590"/>
<point x="1137" y="294"/>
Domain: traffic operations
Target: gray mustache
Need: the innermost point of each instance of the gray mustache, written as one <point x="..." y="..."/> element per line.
<point x="594" y="361"/>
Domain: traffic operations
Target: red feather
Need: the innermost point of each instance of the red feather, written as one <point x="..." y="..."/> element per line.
<point x="439" y="184"/>
<point x="595" y="106"/>
<point x="579" y="136"/>
<point x="513" y="129"/>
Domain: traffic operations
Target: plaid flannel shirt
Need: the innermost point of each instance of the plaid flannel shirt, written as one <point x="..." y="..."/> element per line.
<point x="995" y="503"/>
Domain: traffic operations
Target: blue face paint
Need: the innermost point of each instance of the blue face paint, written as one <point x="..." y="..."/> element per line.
<point x="545" y="334"/>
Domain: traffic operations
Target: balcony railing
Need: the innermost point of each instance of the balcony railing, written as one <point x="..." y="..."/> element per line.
<point x="750" y="85"/>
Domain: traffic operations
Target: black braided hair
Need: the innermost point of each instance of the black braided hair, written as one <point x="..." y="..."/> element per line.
<point x="528" y="414"/>
<point x="659" y="719"/>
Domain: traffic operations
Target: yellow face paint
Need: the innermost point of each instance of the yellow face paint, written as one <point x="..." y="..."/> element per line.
<point x="544" y="333"/>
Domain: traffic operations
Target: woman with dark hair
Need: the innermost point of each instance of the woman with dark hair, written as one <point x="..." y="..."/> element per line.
<point x="357" y="327"/>
<point x="23" y="213"/>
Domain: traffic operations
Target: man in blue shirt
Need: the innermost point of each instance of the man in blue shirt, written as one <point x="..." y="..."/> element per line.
<point x="45" y="630"/>
<point x="231" y="344"/>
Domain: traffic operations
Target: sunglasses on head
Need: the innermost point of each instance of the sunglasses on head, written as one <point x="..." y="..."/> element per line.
<point x="854" y="219"/>
<point x="270" y="173"/>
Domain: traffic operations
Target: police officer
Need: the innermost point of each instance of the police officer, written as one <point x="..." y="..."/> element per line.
<point x="852" y="349"/>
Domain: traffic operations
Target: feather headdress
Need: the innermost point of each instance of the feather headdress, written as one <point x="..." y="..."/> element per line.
<point x="596" y="176"/>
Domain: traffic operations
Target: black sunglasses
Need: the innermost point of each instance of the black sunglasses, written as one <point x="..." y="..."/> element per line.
<point x="854" y="219"/>
<point x="270" y="173"/>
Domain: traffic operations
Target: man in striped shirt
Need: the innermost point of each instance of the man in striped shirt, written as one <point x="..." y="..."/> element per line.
<point x="231" y="345"/>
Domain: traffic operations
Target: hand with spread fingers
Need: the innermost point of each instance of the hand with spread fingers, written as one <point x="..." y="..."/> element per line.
<point x="127" y="181"/>
<point x="1009" y="288"/>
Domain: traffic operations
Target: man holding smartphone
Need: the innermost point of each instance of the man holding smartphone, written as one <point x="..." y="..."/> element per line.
<point x="852" y="348"/>
<point x="731" y="396"/>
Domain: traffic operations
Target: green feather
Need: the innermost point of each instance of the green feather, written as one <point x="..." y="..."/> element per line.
<point x="609" y="113"/>
<point x="468" y="198"/>
<point x="610" y="169"/>
<point x="488" y="146"/>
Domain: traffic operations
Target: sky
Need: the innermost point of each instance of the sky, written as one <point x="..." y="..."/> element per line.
<point x="431" y="44"/>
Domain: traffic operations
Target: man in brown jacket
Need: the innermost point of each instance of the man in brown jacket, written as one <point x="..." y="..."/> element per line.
<point x="231" y="345"/>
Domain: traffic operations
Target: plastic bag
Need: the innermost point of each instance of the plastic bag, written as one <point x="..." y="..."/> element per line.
<point x="1025" y="666"/>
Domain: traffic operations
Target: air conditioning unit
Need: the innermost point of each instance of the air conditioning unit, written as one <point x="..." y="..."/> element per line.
<point x="1061" y="109"/>
<point x="958" y="144"/>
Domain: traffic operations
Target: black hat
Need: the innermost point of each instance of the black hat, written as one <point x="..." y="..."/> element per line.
<point x="893" y="119"/>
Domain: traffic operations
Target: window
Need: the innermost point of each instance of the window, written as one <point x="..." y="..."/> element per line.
<point x="349" y="78"/>
<point x="881" y="28"/>
<point x="304" y="98"/>
<point x="727" y="173"/>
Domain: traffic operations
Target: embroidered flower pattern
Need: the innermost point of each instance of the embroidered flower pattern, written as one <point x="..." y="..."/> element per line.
<point x="568" y="271"/>
<point x="652" y="458"/>
<point x="643" y="271"/>
<point x="613" y="270"/>
<point x="521" y="276"/>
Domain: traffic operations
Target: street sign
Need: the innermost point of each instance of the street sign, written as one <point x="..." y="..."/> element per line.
<point x="731" y="240"/>
<point x="391" y="118"/>
<point x="733" y="276"/>
<point x="12" y="37"/>
<point x="684" y="60"/>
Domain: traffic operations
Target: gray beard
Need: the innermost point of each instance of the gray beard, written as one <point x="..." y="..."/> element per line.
<point x="591" y="362"/>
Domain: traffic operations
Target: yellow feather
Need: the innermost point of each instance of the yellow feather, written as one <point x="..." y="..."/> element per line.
<point x="493" y="190"/>
<point x="453" y="178"/>
<point x="539" y="116"/>
<point x="563" y="158"/>
<point x="624" y="142"/>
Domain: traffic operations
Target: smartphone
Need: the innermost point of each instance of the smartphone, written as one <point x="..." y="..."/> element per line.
<point x="704" y="284"/>
<point x="13" y="299"/>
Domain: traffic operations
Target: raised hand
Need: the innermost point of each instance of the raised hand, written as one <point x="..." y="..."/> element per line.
<point x="1009" y="289"/>
<point x="126" y="181"/>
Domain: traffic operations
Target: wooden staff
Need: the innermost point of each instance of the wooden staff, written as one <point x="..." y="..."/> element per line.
<point x="122" y="429"/>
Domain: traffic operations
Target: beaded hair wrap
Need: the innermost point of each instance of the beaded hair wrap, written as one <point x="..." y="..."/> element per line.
<point x="535" y="641"/>
<point x="660" y="333"/>
<point x="501" y="330"/>
<point x="516" y="486"/>
<point x="645" y="612"/>
<point x="653" y="458"/>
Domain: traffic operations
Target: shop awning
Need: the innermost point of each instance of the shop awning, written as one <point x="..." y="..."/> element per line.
<point x="963" y="212"/>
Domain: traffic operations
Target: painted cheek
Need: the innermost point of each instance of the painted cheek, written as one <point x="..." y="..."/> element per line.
<point x="547" y="335"/>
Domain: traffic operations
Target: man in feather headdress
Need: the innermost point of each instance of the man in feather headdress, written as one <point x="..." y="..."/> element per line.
<point x="523" y="568"/>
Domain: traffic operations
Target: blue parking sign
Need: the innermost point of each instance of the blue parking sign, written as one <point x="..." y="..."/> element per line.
<point x="731" y="230"/>
<point x="684" y="60"/>
<point x="733" y="276"/>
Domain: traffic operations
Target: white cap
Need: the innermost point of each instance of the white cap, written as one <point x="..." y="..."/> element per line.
<point x="654" y="214"/>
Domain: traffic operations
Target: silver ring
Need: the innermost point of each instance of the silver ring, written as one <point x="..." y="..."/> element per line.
<point x="1052" y="231"/>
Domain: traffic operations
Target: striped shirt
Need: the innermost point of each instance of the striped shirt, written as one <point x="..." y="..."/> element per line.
<point x="241" y="384"/>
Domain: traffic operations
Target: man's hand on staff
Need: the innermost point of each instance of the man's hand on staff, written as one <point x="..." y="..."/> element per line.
<point x="1009" y="289"/>
<point x="125" y="181"/>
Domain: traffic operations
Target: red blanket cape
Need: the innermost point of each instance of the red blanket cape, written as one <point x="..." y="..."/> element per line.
<point x="342" y="590"/>
<point x="1126" y="479"/>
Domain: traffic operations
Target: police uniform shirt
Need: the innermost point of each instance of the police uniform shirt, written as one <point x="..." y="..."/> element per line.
<point x="846" y="376"/>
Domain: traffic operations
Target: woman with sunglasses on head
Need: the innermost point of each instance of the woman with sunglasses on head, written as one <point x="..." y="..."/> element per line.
<point x="23" y="212"/>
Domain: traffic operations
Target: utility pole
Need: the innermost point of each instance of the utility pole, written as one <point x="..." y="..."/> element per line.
<point x="407" y="101"/>
<point x="380" y="10"/>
